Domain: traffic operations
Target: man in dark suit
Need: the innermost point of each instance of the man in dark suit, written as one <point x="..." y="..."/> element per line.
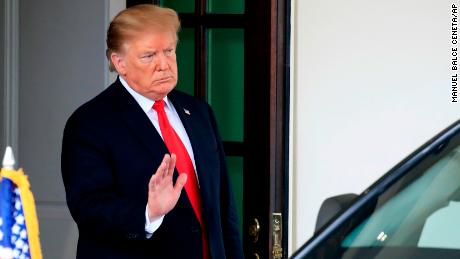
<point x="124" y="163"/>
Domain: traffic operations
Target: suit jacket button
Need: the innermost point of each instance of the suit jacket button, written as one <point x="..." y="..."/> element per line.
<point x="131" y="236"/>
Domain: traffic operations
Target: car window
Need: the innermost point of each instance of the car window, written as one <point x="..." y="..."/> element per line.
<point x="420" y="213"/>
<point x="413" y="211"/>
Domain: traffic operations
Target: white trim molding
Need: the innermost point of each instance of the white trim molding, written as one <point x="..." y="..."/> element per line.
<point x="11" y="72"/>
<point x="113" y="7"/>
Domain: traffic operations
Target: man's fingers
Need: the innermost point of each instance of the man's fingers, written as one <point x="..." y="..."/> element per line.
<point x="167" y="161"/>
<point x="153" y="182"/>
<point x="155" y="175"/>
<point x="172" y="165"/>
<point x="160" y="171"/>
<point x="180" y="182"/>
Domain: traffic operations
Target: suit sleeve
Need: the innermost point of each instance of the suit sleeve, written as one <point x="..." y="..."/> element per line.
<point x="230" y="226"/>
<point x="91" y="193"/>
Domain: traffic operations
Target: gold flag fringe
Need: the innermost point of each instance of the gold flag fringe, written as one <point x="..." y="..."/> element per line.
<point x="28" y="204"/>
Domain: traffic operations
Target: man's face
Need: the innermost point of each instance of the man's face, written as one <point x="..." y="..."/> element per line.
<point x="148" y="63"/>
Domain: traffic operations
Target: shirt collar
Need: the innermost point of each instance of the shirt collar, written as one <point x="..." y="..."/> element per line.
<point x="145" y="103"/>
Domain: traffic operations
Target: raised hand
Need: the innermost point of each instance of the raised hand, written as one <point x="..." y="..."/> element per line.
<point x="163" y="194"/>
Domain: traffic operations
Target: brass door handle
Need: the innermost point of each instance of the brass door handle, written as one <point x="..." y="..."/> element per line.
<point x="254" y="230"/>
<point x="277" y="249"/>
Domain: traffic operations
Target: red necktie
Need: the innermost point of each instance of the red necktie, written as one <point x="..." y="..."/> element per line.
<point x="183" y="165"/>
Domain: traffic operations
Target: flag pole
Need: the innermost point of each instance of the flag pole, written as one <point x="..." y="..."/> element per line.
<point x="7" y="164"/>
<point x="20" y="180"/>
<point x="8" y="159"/>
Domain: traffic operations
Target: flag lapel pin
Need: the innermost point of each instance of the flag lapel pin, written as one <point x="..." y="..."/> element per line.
<point x="186" y="111"/>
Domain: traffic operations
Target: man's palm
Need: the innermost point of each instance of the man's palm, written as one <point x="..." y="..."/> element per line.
<point x="163" y="194"/>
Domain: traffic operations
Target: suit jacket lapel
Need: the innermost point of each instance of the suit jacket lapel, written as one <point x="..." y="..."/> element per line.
<point x="193" y="124"/>
<point x="138" y="122"/>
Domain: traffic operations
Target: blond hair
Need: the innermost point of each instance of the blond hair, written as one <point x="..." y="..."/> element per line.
<point x="139" y="18"/>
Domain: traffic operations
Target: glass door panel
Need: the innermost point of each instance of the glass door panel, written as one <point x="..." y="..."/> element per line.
<point x="235" y="172"/>
<point x="185" y="54"/>
<point x="225" y="81"/>
<point x="226" y="6"/>
<point x="180" y="6"/>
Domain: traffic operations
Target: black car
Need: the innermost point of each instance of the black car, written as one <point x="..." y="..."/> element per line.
<point x="413" y="211"/>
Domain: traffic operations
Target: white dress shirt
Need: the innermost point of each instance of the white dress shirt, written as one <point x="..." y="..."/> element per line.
<point x="174" y="119"/>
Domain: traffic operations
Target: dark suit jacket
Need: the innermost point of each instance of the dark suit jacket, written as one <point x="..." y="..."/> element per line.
<point x="111" y="149"/>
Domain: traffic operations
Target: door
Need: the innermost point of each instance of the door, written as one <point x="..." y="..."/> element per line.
<point x="231" y="53"/>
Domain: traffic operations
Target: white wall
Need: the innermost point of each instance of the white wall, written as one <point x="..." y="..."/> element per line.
<point x="115" y="6"/>
<point x="62" y="64"/>
<point x="370" y="83"/>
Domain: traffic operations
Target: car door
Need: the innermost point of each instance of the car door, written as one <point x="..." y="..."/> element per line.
<point x="413" y="211"/>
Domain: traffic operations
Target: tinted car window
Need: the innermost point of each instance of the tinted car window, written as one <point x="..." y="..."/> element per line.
<point x="411" y="212"/>
<point x="425" y="214"/>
